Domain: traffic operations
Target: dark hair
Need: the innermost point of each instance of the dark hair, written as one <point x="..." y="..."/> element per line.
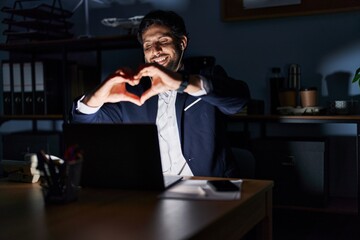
<point x="169" y="19"/>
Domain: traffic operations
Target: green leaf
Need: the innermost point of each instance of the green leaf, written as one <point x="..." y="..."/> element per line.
<point x="357" y="76"/>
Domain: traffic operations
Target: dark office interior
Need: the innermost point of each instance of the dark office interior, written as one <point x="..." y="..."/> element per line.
<point x="311" y="154"/>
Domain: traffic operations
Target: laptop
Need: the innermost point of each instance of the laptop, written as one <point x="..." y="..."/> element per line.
<point x="122" y="156"/>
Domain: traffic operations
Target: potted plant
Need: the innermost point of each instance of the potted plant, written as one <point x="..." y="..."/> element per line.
<point x="357" y="77"/>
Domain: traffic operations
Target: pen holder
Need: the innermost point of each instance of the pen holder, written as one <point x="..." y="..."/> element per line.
<point x="65" y="190"/>
<point x="64" y="186"/>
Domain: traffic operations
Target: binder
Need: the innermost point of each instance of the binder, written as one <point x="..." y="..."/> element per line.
<point x="17" y="84"/>
<point x="48" y="91"/>
<point x="7" y="89"/>
<point x="28" y="98"/>
<point x="53" y="77"/>
<point x="39" y="93"/>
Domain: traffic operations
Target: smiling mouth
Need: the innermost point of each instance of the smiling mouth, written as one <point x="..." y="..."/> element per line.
<point x="160" y="60"/>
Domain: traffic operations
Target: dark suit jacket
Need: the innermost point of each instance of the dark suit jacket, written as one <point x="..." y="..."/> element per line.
<point x="201" y="127"/>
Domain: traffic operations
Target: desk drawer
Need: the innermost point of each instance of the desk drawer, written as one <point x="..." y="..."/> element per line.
<point x="298" y="168"/>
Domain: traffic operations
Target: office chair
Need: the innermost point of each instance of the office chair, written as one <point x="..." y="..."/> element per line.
<point x="245" y="161"/>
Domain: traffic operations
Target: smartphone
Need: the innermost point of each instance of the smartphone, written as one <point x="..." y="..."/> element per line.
<point x="223" y="185"/>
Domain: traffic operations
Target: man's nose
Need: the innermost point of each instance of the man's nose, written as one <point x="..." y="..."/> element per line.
<point x="156" y="47"/>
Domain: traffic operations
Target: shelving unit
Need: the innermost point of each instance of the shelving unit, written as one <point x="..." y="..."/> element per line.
<point x="37" y="23"/>
<point x="62" y="48"/>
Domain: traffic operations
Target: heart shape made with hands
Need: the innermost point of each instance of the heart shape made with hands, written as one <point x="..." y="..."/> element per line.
<point x="162" y="80"/>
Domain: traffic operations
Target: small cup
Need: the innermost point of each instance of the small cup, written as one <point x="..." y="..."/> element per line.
<point x="287" y="98"/>
<point x="308" y="97"/>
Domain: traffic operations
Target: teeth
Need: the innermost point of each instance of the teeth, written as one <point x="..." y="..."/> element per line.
<point x="159" y="59"/>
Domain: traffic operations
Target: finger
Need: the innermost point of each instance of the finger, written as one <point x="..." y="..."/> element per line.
<point x="147" y="94"/>
<point x="142" y="66"/>
<point x="132" y="98"/>
<point x="145" y="71"/>
<point x="125" y="72"/>
<point x="121" y="79"/>
<point x="141" y="74"/>
<point x="134" y="82"/>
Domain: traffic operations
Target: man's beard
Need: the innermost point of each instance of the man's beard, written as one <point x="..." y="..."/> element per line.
<point x="174" y="64"/>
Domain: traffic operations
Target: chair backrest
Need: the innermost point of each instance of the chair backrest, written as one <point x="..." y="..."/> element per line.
<point x="245" y="161"/>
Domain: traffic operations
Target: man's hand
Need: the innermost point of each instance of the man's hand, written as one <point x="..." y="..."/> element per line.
<point x="113" y="89"/>
<point x="162" y="80"/>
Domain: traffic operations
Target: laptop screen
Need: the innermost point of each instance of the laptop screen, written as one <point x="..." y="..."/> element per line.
<point x="124" y="156"/>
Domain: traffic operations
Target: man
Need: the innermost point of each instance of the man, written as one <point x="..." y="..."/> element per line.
<point x="188" y="109"/>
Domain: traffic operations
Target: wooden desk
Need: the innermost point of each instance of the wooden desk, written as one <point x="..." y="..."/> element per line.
<point x="116" y="214"/>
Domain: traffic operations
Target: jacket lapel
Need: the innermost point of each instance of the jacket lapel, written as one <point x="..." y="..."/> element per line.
<point x="179" y="108"/>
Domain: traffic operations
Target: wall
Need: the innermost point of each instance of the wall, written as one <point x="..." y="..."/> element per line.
<point x="326" y="46"/>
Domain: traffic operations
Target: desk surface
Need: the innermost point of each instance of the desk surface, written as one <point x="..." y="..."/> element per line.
<point x="116" y="214"/>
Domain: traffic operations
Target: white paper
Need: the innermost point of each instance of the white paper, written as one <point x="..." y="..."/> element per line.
<point x="200" y="190"/>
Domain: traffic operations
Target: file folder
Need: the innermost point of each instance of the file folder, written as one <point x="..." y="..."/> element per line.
<point x="17" y="83"/>
<point x="48" y="88"/>
<point x="28" y="97"/>
<point x="7" y="89"/>
<point x="54" y="90"/>
<point x="39" y="103"/>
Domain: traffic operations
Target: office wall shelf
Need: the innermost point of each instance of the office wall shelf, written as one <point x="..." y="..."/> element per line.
<point x="74" y="45"/>
<point x="36" y="23"/>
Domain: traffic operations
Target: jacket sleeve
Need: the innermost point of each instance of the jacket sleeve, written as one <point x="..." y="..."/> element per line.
<point x="109" y="113"/>
<point x="226" y="93"/>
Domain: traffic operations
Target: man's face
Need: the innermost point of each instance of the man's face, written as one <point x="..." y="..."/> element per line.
<point x="160" y="47"/>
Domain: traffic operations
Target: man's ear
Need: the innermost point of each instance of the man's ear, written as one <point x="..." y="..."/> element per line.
<point x="183" y="43"/>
